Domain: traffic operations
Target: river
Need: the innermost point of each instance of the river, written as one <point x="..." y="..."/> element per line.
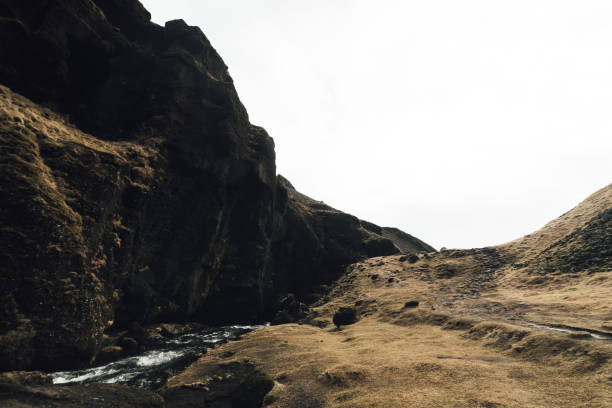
<point x="151" y="368"/>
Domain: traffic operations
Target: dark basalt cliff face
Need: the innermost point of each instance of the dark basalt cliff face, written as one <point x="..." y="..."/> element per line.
<point x="134" y="188"/>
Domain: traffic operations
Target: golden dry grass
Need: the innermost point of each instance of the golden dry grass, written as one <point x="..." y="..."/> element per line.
<point x="398" y="357"/>
<point x="374" y="364"/>
<point x="468" y="344"/>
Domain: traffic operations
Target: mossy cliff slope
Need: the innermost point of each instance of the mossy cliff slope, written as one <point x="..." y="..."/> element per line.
<point x="135" y="189"/>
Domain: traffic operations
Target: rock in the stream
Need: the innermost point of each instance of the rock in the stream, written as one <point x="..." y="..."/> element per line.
<point x="109" y="353"/>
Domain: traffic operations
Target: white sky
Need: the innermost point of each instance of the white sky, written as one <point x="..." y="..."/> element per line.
<point x="465" y="123"/>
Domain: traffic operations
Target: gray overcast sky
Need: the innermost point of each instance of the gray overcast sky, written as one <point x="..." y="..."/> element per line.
<point x="465" y="123"/>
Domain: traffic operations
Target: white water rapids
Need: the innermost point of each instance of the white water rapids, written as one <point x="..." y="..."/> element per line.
<point x="154" y="366"/>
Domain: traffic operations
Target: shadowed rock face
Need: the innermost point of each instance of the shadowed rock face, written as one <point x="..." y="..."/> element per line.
<point x="140" y="192"/>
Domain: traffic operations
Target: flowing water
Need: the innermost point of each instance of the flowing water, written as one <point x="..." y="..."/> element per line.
<point x="153" y="367"/>
<point x="587" y="333"/>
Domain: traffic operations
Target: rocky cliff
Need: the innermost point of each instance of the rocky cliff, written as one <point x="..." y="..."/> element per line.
<point x="135" y="189"/>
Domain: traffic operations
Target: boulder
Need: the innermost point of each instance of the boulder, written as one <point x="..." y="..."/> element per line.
<point x="128" y="343"/>
<point x="345" y="316"/>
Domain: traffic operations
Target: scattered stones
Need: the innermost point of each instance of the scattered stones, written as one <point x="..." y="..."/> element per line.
<point x="411" y="304"/>
<point x="444" y="271"/>
<point x="345" y="316"/>
<point x="374" y="277"/>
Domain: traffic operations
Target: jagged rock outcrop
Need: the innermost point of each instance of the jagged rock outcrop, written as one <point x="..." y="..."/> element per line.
<point x="135" y="189"/>
<point x="315" y="242"/>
